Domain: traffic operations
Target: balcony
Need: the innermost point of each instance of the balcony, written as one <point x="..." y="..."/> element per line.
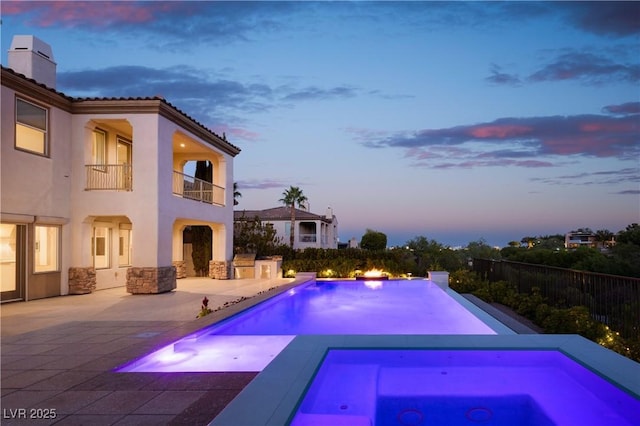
<point x="116" y="177"/>
<point x="196" y="189"/>
<point x="307" y="238"/>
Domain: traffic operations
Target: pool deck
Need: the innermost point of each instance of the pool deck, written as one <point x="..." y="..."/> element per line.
<point x="58" y="355"/>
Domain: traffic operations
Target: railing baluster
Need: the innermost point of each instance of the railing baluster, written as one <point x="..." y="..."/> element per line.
<point x="611" y="299"/>
<point x="109" y="177"/>
<point x="197" y="189"/>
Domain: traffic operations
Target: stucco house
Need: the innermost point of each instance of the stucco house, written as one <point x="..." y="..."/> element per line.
<point x="94" y="190"/>
<point x="311" y="230"/>
<point x="580" y="238"/>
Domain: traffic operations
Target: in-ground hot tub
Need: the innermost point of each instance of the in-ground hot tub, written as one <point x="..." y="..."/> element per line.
<point x="461" y="387"/>
<point x="441" y="380"/>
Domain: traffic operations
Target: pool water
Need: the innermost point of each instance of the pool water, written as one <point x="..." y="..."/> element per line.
<point x="249" y="340"/>
<point x="505" y="410"/>
<point x="461" y="387"/>
<point x="358" y="307"/>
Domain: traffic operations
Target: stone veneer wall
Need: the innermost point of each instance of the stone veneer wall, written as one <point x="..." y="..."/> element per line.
<point x="82" y="280"/>
<point x="219" y="269"/>
<point x="181" y="268"/>
<point x="151" y="280"/>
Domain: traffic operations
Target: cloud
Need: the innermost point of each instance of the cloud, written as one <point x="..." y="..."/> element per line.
<point x="605" y="177"/>
<point x="236" y="133"/>
<point x="262" y="184"/>
<point x="212" y="21"/>
<point x="498" y="77"/>
<point x="364" y="136"/>
<point x="317" y="93"/>
<point x="207" y="96"/>
<point x="610" y="18"/>
<point x="624" y="109"/>
<point x="519" y="142"/>
<point x="99" y="14"/>
<point x="589" y="68"/>
<point x="491" y="163"/>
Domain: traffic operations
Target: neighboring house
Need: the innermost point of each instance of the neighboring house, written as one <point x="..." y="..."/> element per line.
<point x="312" y="230"/>
<point x="94" y="191"/>
<point x="580" y="238"/>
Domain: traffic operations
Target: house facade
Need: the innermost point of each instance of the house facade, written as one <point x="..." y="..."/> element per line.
<point x="311" y="230"/>
<point x="95" y="193"/>
<point x="580" y="238"/>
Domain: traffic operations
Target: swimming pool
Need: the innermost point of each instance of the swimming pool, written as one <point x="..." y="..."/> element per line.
<point x="493" y="380"/>
<point x="461" y="387"/>
<point x="249" y="340"/>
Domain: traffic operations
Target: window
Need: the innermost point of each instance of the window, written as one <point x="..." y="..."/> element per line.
<point x="31" y="127"/>
<point x="46" y="247"/>
<point x="101" y="247"/>
<point x="8" y="256"/>
<point x="124" y="245"/>
<point x="99" y="149"/>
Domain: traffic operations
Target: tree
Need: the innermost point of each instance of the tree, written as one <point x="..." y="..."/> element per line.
<point x="481" y="250"/>
<point x="373" y="240"/>
<point x="631" y="235"/>
<point x="603" y="236"/>
<point x="551" y="242"/>
<point x="201" y="249"/>
<point x="253" y="236"/>
<point x="290" y="198"/>
<point x="529" y="241"/>
<point x="431" y="255"/>
<point x="236" y="194"/>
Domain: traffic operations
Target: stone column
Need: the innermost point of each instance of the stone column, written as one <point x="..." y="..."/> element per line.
<point x="151" y="280"/>
<point x="219" y="269"/>
<point x="181" y="268"/>
<point x="82" y="280"/>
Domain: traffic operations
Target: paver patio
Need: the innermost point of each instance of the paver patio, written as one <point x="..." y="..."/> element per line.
<point x="58" y="355"/>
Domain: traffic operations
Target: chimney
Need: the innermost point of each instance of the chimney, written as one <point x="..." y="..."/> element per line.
<point x="32" y="57"/>
<point x="329" y="213"/>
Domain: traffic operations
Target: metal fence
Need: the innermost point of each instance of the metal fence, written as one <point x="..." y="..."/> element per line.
<point x="611" y="299"/>
<point x="197" y="189"/>
<point x="108" y="176"/>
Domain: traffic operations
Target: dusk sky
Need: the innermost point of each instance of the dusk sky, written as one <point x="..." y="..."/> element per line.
<point x="450" y="120"/>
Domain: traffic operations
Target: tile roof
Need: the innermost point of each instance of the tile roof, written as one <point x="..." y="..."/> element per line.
<point x="233" y="149"/>
<point x="32" y="81"/>
<point x="277" y="213"/>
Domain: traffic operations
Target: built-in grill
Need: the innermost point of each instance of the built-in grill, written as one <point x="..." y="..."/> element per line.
<point x="245" y="265"/>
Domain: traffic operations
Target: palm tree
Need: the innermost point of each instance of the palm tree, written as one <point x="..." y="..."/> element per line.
<point x="291" y="197"/>
<point x="236" y="194"/>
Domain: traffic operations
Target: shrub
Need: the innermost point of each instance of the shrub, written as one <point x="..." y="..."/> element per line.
<point x="553" y="320"/>
<point x="464" y="281"/>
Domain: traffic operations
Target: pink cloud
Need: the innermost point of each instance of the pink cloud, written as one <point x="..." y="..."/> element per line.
<point x="520" y="141"/>
<point x="237" y="132"/>
<point x="83" y="13"/>
<point x="498" y="131"/>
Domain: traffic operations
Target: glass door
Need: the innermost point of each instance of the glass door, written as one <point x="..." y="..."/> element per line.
<point x="123" y="154"/>
<point x="12" y="258"/>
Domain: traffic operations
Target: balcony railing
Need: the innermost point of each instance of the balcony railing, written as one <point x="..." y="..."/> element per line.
<point x="611" y="299"/>
<point x="307" y="238"/>
<point x="197" y="189"/>
<point x="109" y="176"/>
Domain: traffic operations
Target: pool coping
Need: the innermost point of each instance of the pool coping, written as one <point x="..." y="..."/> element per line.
<point x="195" y="327"/>
<point x="274" y="395"/>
